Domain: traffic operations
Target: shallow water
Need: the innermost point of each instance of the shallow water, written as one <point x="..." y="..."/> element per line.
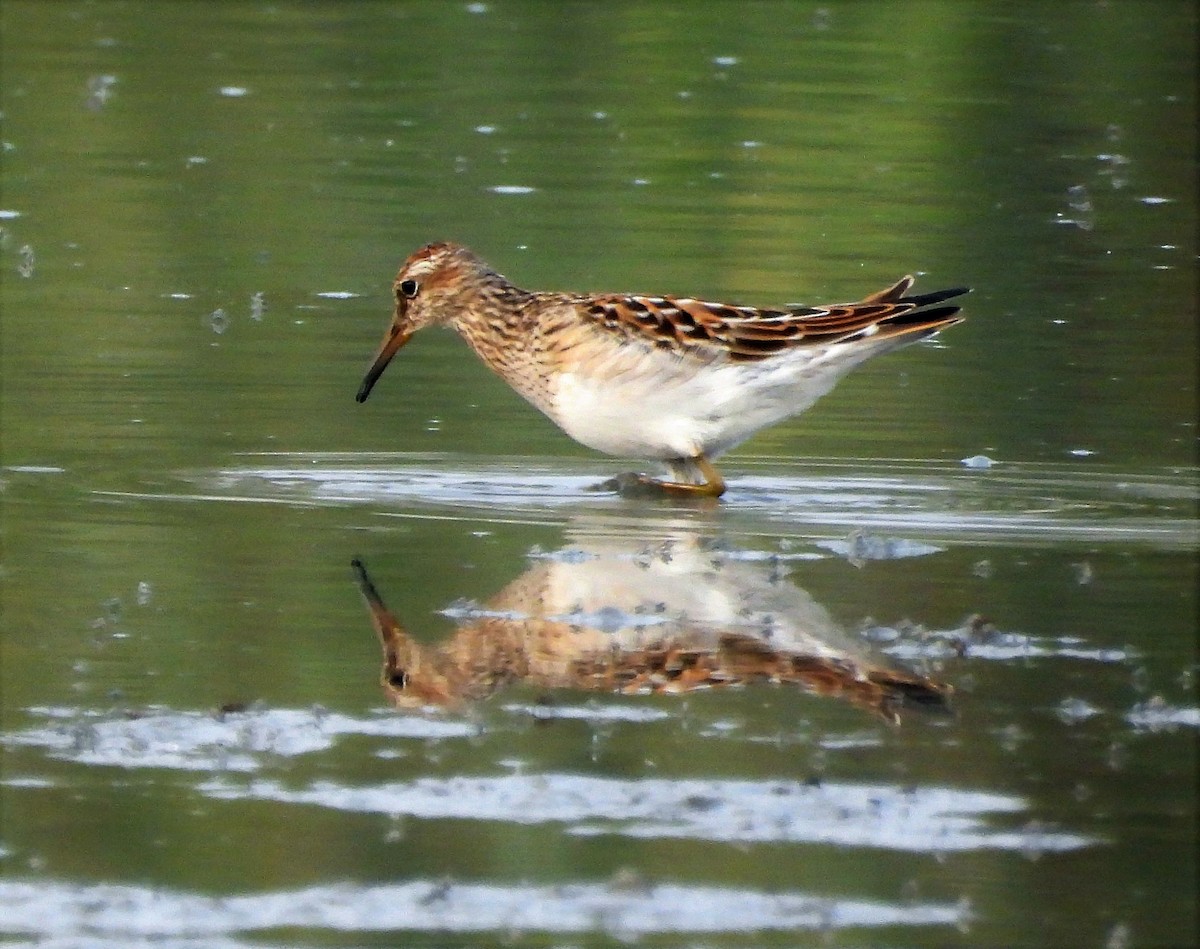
<point x="279" y="669"/>
<point x="544" y="757"/>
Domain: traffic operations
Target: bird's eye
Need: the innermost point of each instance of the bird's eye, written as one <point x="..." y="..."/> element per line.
<point x="409" y="288"/>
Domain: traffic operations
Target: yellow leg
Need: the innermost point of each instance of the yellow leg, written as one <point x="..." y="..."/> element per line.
<point x="713" y="485"/>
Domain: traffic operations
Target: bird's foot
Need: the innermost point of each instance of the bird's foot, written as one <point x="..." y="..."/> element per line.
<point x="634" y="485"/>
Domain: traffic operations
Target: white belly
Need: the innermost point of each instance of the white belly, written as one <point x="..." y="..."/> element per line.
<point x="681" y="411"/>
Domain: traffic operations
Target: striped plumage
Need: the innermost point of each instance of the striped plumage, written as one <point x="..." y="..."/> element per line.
<point x="675" y="379"/>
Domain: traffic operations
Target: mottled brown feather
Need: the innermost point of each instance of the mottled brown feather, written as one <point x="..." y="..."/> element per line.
<point x="581" y="358"/>
<point x="749" y="333"/>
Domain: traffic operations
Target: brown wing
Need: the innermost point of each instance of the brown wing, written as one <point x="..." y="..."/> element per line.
<point x="748" y="333"/>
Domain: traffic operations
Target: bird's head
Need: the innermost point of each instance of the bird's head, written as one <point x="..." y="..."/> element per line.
<point x="430" y="290"/>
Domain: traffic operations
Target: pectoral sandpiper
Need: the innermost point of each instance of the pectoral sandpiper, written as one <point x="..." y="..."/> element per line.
<point x="674" y="379"/>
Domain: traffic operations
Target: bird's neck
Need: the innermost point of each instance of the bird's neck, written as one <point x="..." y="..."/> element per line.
<point x="501" y="324"/>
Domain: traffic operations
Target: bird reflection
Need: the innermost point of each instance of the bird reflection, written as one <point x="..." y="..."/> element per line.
<point x="673" y="617"/>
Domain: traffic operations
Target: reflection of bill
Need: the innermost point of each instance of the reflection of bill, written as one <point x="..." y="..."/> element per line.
<point x="672" y="618"/>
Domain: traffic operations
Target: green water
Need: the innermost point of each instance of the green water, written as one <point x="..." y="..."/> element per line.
<point x="203" y="206"/>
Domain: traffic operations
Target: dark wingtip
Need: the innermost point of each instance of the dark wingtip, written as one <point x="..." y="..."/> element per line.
<point x="937" y="296"/>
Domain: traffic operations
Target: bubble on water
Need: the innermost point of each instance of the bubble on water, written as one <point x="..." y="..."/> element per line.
<point x="977" y="461"/>
<point x="395" y="831"/>
<point x="1113" y="163"/>
<point x="982" y="569"/>
<point x="822" y="18"/>
<point x="257" y="306"/>
<point x="725" y="60"/>
<point x="1074" y="711"/>
<point x="1084" y="574"/>
<point x="1080" y="203"/>
<point x="99" y="91"/>
<point x="144" y="593"/>
<point x="511" y="189"/>
<point x="861" y="546"/>
<point x="964" y="913"/>
<point x="1119" y="937"/>
<point x="601" y="731"/>
<point x="629" y="880"/>
<point x="193" y="160"/>
<point x="875" y="633"/>
<point x="1033" y="845"/>
<point x="218" y="321"/>
<point x="477" y="8"/>
<point x="485" y="129"/>
<point x="1156" y="714"/>
<point x="1140" y="679"/>
<point x="1153" y="199"/>
<point x="26" y="264"/>
<point x="1011" y="737"/>
<point x="234" y="92"/>
<point x="1082" y="452"/>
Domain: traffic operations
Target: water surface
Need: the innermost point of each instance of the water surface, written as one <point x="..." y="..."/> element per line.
<point x="280" y="669"/>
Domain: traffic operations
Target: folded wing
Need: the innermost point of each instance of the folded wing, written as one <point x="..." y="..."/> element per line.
<point x="700" y="328"/>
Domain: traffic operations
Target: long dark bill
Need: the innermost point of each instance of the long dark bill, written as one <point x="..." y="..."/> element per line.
<point x="392" y="341"/>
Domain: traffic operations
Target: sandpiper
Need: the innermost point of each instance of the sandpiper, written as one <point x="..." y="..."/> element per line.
<point x="674" y="379"/>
